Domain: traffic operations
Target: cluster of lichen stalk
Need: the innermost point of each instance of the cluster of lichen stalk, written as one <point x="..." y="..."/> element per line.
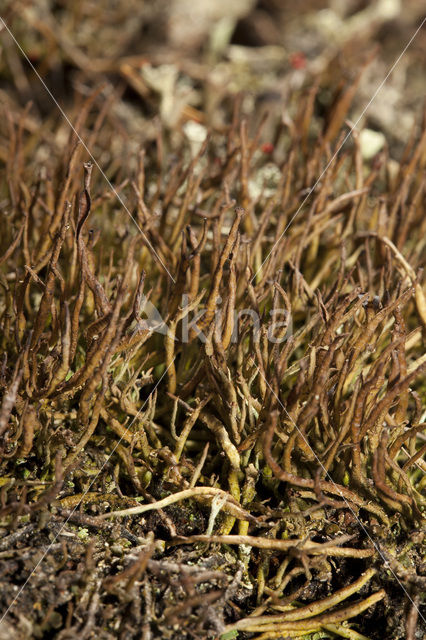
<point x="279" y="441"/>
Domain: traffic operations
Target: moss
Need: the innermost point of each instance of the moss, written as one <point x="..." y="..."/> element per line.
<point x="220" y="469"/>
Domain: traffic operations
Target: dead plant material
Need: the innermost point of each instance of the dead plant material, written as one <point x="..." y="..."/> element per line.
<point x="238" y="447"/>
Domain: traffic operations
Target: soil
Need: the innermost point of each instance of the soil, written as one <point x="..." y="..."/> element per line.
<point x="166" y="72"/>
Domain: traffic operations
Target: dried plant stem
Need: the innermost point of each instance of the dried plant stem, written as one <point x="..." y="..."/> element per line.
<point x="248" y="624"/>
<point x="314" y="548"/>
<point x="330" y="487"/>
<point x="230" y="506"/>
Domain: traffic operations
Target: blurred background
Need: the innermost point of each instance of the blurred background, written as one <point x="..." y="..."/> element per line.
<point x="180" y="63"/>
